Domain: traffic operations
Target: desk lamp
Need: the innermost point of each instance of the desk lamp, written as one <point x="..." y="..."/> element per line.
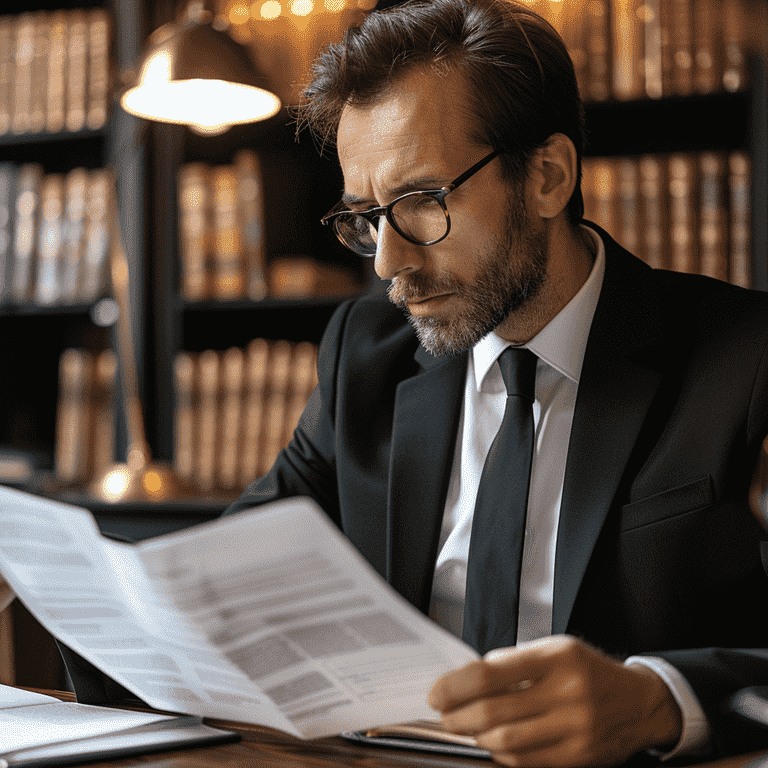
<point x="195" y="74"/>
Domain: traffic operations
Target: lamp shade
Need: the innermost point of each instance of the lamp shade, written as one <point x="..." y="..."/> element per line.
<point x="196" y="74"/>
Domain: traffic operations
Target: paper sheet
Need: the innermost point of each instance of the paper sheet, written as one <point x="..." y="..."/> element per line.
<point x="270" y="616"/>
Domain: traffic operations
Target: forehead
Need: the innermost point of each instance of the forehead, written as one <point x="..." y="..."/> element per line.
<point x="421" y="120"/>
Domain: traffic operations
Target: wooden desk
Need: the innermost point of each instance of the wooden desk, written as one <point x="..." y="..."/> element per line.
<point x="264" y="747"/>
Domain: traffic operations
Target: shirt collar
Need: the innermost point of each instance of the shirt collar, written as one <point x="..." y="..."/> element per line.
<point x="562" y="341"/>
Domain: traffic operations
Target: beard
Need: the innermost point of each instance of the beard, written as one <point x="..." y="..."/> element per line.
<point x="510" y="271"/>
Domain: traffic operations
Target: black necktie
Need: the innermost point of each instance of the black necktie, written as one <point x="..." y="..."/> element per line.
<point x="498" y="525"/>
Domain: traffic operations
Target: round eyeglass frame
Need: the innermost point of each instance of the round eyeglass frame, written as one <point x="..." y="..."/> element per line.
<point x="372" y="215"/>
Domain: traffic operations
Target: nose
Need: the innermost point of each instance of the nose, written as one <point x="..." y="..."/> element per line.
<point x="394" y="254"/>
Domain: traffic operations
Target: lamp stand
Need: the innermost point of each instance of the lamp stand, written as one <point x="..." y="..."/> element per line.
<point x="139" y="478"/>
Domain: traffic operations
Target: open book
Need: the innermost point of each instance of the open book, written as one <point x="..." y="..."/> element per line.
<point x="37" y="730"/>
<point x="270" y="616"/>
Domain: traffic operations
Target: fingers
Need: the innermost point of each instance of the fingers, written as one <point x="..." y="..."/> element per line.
<point x="484" y="714"/>
<point x="501" y="670"/>
<point x="557" y="703"/>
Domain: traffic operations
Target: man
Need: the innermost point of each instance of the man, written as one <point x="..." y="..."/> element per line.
<point x="641" y="565"/>
<point x="650" y="402"/>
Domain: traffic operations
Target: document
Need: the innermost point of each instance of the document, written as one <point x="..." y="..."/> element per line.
<point x="270" y="616"/>
<point x="41" y="730"/>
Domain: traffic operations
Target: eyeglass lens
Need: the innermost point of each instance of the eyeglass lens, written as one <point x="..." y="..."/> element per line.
<point x="417" y="217"/>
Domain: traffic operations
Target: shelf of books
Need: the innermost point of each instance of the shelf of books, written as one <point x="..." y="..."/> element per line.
<point x="55" y="74"/>
<point x="55" y="66"/>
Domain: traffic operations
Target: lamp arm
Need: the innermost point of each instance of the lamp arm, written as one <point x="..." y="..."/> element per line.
<point x="139" y="455"/>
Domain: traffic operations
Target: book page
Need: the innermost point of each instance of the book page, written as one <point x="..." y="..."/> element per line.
<point x="93" y="595"/>
<point x="270" y="616"/>
<point x="36" y="726"/>
<point x="293" y="604"/>
<point x="15" y="697"/>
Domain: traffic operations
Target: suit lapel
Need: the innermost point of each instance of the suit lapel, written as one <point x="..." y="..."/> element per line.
<point x="620" y="376"/>
<point x="427" y="410"/>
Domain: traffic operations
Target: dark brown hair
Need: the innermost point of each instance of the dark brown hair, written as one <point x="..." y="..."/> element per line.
<point x="521" y="85"/>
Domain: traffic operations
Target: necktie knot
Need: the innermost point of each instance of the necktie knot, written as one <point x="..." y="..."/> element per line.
<point x="518" y="369"/>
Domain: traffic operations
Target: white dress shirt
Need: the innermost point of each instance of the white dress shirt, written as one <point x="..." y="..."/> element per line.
<point x="559" y="347"/>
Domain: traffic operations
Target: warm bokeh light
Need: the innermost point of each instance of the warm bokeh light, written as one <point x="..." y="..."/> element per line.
<point x="335" y="6"/>
<point x="152" y="482"/>
<point x="302" y="7"/>
<point x="115" y="483"/>
<point x="239" y="14"/>
<point x="269" y="10"/>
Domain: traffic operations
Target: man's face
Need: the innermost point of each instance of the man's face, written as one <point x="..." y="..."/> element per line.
<point x="493" y="260"/>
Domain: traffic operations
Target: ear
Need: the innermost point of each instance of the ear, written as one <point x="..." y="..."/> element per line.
<point x="552" y="176"/>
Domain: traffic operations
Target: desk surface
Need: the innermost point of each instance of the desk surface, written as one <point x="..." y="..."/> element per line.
<point x="261" y="747"/>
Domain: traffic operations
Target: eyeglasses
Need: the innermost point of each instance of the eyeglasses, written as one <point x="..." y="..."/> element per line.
<point x="420" y="217"/>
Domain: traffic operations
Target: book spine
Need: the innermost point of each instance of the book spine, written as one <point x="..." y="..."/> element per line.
<point x="73" y="423"/>
<point x="7" y="206"/>
<point x="193" y="230"/>
<point x="628" y="50"/>
<point x="98" y="31"/>
<point x="96" y="237"/>
<point x="683" y="226"/>
<point x="24" y="52"/>
<point x="208" y="373"/>
<point x="653" y="58"/>
<point x="48" y="278"/>
<point x="55" y="86"/>
<point x="573" y="31"/>
<point x="707" y="74"/>
<point x="7" y="73"/>
<point x="598" y="49"/>
<point x="677" y="47"/>
<point x="251" y="203"/>
<point x="233" y="369"/>
<point x="739" y="181"/>
<point x="229" y="272"/>
<point x="184" y="374"/>
<point x="276" y="402"/>
<point x="303" y="380"/>
<point x="25" y="230"/>
<point x="40" y="59"/>
<point x="256" y="367"/>
<point x="734" y="46"/>
<point x="76" y="71"/>
<point x="712" y="221"/>
<point x="102" y="437"/>
<point x="75" y="190"/>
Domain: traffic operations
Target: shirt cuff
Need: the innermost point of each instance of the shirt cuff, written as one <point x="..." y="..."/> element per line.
<point x="695" y="736"/>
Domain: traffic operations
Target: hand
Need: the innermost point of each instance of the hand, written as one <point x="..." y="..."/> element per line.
<point x="557" y="703"/>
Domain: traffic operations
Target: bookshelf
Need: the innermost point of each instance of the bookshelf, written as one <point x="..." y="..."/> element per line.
<point x="684" y="124"/>
<point x="300" y="187"/>
<point x="53" y="134"/>
<point x="54" y="129"/>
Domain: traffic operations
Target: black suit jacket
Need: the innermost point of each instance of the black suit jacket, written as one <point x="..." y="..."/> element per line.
<point x="657" y="551"/>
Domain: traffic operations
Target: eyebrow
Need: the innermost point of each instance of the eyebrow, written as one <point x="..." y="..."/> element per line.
<point x="415" y="185"/>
